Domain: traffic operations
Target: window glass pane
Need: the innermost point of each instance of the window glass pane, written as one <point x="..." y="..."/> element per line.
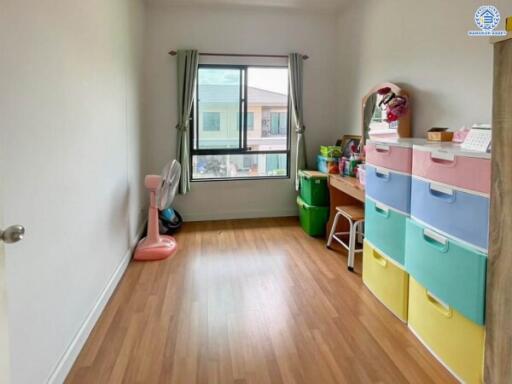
<point x="211" y="121"/>
<point x="239" y="166"/>
<point x="267" y="100"/>
<point x="283" y="123"/>
<point x="274" y="123"/>
<point x="218" y="108"/>
<point x="250" y="121"/>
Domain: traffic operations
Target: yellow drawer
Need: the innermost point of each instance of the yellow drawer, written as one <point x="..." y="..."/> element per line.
<point x="455" y="340"/>
<point x="388" y="282"/>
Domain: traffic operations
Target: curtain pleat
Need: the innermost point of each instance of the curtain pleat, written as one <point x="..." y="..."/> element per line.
<point x="295" y="66"/>
<point x="188" y="61"/>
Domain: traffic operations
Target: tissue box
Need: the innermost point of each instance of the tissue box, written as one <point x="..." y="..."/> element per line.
<point x="439" y="134"/>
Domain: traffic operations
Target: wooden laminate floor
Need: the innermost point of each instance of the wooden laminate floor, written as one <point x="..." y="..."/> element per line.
<point x="252" y="301"/>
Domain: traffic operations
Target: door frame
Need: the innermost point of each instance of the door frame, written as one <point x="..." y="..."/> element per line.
<point x="498" y="342"/>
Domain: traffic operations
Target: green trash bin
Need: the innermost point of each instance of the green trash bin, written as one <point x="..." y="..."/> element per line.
<point x="312" y="219"/>
<point x="313" y="188"/>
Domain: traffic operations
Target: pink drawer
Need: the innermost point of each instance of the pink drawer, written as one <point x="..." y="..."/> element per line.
<point x="453" y="168"/>
<point x="388" y="156"/>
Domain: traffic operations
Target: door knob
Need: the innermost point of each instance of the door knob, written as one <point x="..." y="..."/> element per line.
<point x="13" y="234"/>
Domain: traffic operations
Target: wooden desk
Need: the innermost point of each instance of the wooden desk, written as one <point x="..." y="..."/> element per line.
<point x="343" y="190"/>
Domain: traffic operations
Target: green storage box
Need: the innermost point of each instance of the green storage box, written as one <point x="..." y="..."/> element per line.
<point x="312" y="219"/>
<point x="313" y="188"/>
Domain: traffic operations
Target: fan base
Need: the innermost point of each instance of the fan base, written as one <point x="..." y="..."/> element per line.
<point x="151" y="251"/>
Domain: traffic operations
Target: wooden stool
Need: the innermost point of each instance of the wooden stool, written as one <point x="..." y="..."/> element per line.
<point x="355" y="216"/>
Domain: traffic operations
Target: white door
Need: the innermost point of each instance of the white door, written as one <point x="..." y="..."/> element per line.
<point x="10" y="235"/>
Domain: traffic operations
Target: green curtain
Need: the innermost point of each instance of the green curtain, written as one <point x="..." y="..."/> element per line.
<point x="188" y="61"/>
<point x="295" y="69"/>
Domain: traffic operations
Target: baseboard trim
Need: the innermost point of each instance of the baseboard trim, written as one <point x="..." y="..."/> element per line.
<point x="71" y="353"/>
<point x="254" y="214"/>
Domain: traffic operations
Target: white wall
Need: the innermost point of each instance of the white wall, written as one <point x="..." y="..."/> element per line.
<point x="423" y="46"/>
<point x="240" y="31"/>
<point x="70" y="158"/>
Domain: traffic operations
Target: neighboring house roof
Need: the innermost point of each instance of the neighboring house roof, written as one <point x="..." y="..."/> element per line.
<point x="229" y="93"/>
<point x="264" y="97"/>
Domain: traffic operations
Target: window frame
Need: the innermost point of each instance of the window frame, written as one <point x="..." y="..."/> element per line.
<point x="244" y="149"/>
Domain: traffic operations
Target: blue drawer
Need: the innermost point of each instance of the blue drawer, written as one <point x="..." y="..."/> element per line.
<point x="462" y="215"/>
<point x="453" y="272"/>
<point x="385" y="229"/>
<point x="388" y="187"/>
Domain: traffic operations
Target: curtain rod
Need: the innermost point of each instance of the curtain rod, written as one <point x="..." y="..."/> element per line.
<point x="305" y="57"/>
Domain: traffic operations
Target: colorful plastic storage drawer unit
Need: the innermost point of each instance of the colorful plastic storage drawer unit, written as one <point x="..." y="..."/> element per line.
<point x="385" y="229"/>
<point x="327" y="164"/>
<point x="392" y="154"/>
<point x="388" y="187"/>
<point x="313" y="188"/>
<point x="455" y="340"/>
<point x="450" y="270"/>
<point x="388" y="282"/>
<point x="312" y="219"/>
<point x="448" y="164"/>
<point x="462" y="215"/>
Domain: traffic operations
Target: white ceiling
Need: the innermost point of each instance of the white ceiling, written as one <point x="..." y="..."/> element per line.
<point x="322" y="5"/>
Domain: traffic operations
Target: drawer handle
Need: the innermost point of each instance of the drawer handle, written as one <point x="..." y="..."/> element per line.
<point x="440" y="306"/>
<point x="443" y="158"/>
<point x="442" y="193"/>
<point x="383" y="148"/>
<point x="435" y="240"/>
<point x="379" y="259"/>
<point x="382" y="210"/>
<point x="382" y="174"/>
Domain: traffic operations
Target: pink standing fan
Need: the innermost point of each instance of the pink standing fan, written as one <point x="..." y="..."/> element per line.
<point x="162" y="190"/>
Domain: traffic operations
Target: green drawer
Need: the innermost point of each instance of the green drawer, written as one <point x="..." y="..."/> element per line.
<point x="385" y="229"/>
<point x="452" y="271"/>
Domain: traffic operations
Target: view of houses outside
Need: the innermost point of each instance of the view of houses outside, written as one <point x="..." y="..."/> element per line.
<point x="218" y="125"/>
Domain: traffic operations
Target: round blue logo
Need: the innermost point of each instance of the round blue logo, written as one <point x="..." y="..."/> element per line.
<point x="487" y="17"/>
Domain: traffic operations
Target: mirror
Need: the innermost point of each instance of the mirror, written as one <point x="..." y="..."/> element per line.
<point x="386" y="113"/>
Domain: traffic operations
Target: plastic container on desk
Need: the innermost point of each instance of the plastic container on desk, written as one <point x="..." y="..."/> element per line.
<point x="327" y="164"/>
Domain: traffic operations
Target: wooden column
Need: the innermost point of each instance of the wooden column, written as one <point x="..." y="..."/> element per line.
<point x="498" y="348"/>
